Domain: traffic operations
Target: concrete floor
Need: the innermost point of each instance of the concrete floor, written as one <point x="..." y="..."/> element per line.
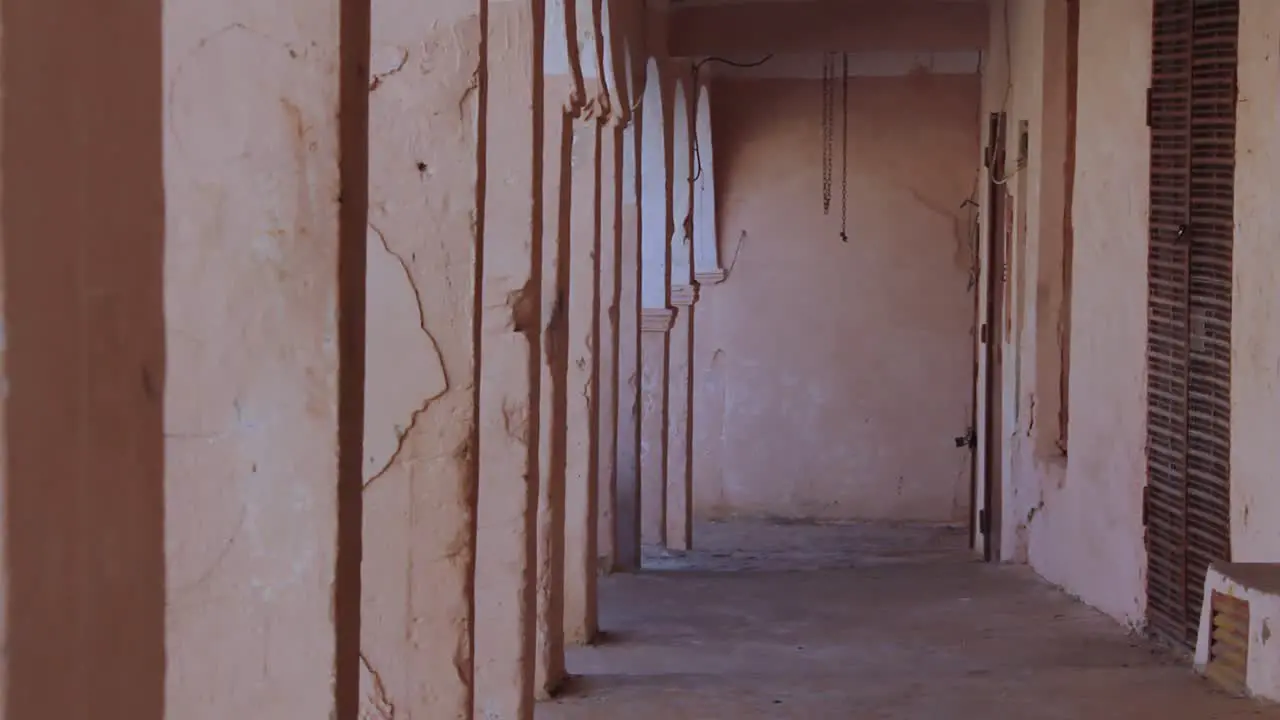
<point x="863" y="622"/>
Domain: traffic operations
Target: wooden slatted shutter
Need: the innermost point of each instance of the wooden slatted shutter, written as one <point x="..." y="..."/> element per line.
<point x="1192" y="118"/>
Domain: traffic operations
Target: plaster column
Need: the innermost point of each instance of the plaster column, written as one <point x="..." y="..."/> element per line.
<point x="265" y="159"/>
<point x="627" y="507"/>
<point x="683" y="295"/>
<point x="708" y="374"/>
<point x="655" y="316"/>
<point x="557" y="149"/>
<point x="563" y="93"/>
<point x="655" y="324"/>
<point x="82" y="564"/>
<point x="420" y="414"/>
<point x="612" y="62"/>
<point x="582" y="457"/>
<point x="510" y="373"/>
<point x="610" y="245"/>
<point x="679" y="402"/>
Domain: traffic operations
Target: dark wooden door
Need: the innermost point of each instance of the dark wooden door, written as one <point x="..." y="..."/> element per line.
<point x="1192" y="118"/>
<point x="992" y="335"/>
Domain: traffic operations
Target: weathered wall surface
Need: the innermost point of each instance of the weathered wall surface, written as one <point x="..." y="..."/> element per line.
<point x="1077" y="519"/>
<point x="419" y="463"/>
<point x="254" y="406"/>
<point x="1030" y="332"/>
<point x="509" y="375"/>
<point x="1255" y="391"/>
<point x="839" y="375"/>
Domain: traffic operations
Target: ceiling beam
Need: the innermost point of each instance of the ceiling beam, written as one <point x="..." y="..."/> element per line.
<point x="810" y="26"/>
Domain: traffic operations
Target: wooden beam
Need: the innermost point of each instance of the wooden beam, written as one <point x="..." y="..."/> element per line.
<point x="790" y="26"/>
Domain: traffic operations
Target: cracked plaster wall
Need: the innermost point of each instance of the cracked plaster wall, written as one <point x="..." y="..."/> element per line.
<point x="252" y="189"/>
<point x="582" y="446"/>
<point x="1082" y="522"/>
<point x="680" y="340"/>
<point x="420" y="400"/>
<point x="841" y="373"/>
<point x="627" y="517"/>
<point x="509" y="376"/>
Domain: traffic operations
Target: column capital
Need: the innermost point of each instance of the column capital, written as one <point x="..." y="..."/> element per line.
<point x="656" y="319"/>
<point x="710" y="277"/>
<point x="684" y="295"/>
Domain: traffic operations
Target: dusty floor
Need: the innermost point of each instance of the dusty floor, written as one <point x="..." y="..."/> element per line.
<point x="860" y="622"/>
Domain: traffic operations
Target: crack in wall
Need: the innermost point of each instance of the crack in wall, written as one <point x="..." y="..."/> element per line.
<point x="472" y="86"/>
<point x="403" y="432"/>
<point x="374" y="704"/>
<point x="396" y="66"/>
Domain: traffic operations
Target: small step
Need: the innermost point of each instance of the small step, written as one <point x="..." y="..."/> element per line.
<point x="1235" y="649"/>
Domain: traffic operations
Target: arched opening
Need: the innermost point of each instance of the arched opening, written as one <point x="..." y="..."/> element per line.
<point x="706" y="253"/>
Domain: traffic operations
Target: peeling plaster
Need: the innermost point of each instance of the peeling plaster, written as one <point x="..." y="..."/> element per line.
<point x="397" y="337"/>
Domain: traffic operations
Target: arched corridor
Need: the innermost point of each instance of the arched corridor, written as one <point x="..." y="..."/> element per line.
<point x="639" y="359"/>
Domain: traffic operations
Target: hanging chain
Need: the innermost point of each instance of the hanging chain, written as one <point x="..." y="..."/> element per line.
<point x="828" y="131"/>
<point x="844" y="167"/>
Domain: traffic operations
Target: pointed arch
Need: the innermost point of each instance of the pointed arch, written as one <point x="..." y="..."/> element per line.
<point x="612" y="52"/>
<point x="557" y="59"/>
<point x="587" y="29"/>
<point x="706" y="249"/>
<point x="653" y="193"/>
<point x="630" y="156"/>
<point x="681" y="189"/>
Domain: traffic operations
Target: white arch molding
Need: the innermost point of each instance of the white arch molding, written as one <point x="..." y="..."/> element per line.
<point x="653" y="200"/>
<point x="610" y="64"/>
<point x="706" y="248"/>
<point x="589" y="53"/>
<point x="682" y="290"/>
<point x="630" y="159"/>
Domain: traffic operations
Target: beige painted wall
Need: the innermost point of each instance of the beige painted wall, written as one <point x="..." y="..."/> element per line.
<point x="832" y="379"/>
<point x="1255" y="392"/>
<point x="1077" y="519"/>
<point x="1090" y="537"/>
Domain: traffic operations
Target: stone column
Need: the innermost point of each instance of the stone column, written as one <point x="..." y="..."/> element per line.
<point x="420" y="415"/>
<point x="510" y="374"/>
<point x="613" y="44"/>
<point x="680" y="404"/>
<point x="627" y="507"/>
<point x="582" y="456"/>
<point x="563" y="98"/>
<point x="82" y="365"/>
<point x="265" y="162"/>
<point x="655" y="316"/>
<point x="556" y="189"/>
<point x="610" y="246"/>
<point x="707" y="374"/>
<point x="655" y="324"/>
<point x="683" y="295"/>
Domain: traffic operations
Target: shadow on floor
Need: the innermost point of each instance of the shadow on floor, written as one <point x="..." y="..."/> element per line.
<point x="863" y="621"/>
